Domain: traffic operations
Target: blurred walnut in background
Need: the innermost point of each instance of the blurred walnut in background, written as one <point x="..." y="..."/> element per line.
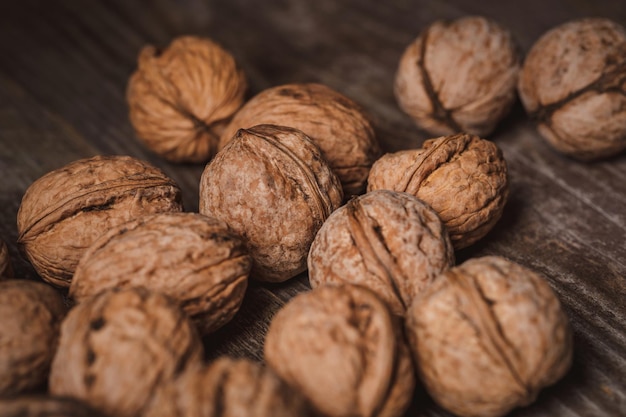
<point x="6" y="269"/>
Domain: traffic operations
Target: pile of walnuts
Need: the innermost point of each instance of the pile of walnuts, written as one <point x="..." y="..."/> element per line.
<point x="297" y="182"/>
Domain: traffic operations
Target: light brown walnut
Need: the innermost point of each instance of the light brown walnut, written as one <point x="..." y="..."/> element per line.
<point x="6" y="268"/>
<point x="181" y="98"/>
<point x="272" y="186"/>
<point x="43" y="406"/>
<point x="388" y="241"/>
<point x="487" y="336"/>
<point x="66" y="210"/>
<point x="462" y="177"/>
<point x="341" y="347"/>
<point x="31" y="315"/>
<point x="196" y="260"/>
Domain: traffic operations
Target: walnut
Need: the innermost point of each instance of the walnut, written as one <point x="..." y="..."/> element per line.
<point x="487" y="336"/>
<point x="388" y="241"/>
<point x="273" y="187"/>
<point x="340" y="346"/>
<point x="180" y="99"/>
<point x="116" y="348"/>
<point x="335" y="123"/>
<point x="192" y="258"/>
<point x="31" y="315"/>
<point x="42" y="406"/>
<point x="6" y="270"/>
<point x="228" y="388"/>
<point x="573" y="84"/>
<point x="462" y="177"/>
<point x="64" y="211"/>
<point x="459" y="76"/>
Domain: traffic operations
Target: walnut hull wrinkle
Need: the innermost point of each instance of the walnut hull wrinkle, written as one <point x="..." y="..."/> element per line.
<point x="271" y="185"/>
<point x="182" y="97"/>
<point x="487" y="336"/>
<point x="228" y="388"/>
<point x="118" y="347"/>
<point x="388" y="241"/>
<point x="341" y="347"/>
<point x="459" y="76"/>
<point x="573" y="84"/>
<point x="63" y="212"/>
<point x="335" y="123"/>
<point x="40" y="406"/>
<point x="29" y="330"/>
<point x="462" y="177"/>
<point x="6" y="269"/>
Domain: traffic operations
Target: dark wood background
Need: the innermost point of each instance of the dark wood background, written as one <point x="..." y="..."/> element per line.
<point x="63" y="72"/>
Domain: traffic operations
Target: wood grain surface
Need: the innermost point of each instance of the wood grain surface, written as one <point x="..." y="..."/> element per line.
<point x="64" y="66"/>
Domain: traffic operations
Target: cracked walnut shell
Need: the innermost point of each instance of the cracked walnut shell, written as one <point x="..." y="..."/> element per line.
<point x="487" y="336"/>
<point x="181" y="98"/>
<point x="341" y="347"/>
<point x="462" y="177"/>
<point x="192" y="258"/>
<point x="44" y="406"/>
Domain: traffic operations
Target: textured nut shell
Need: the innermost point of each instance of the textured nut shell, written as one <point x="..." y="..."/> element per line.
<point x="117" y="348"/>
<point x="388" y="241"/>
<point x="63" y="212"/>
<point x="228" y="388"/>
<point x="40" y="406"/>
<point x="340" y="347"/>
<point x="462" y="177"/>
<point x="181" y="98"/>
<point x="487" y="336"/>
<point x="272" y="186"/>
<point x="6" y="269"/>
<point x="335" y="123"/>
<point x="573" y="83"/>
<point x="458" y="76"/>
<point x="31" y="316"/>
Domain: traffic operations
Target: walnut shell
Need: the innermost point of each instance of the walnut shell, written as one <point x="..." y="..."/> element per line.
<point x="192" y="258"/>
<point x="487" y="336"/>
<point x="181" y="98"/>
<point x="462" y="177"/>
<point x="388" y="241"/>
<point x="458" y="76"/>
<point x="6" y="269"/>
<point x="335" y="123"/>
<point x="340" y="346"/>
<point x="31" y="316"/>
<point x="42" y="406"/>
<point x="573" y="84"/>
<point x="228" y="388"/>
<point x="116" y="348"/>
<point x="64" y="211"/>
<point x="272" y="186"/>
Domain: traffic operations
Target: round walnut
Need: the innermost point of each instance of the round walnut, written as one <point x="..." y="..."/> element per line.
<point x="462" y="177"/>
<point x="487" y="336"/>
<point x="573" y="84"/>
<point x="181" y="98"/>
<point x="63" y="212"/>
<point x="388" y="241"/>
<point x="273" y="187"/>
<point x="6" y="270"/>
<point x="41" y="406"/>
<point x="192" y="258"/>
<point x="29" y="330"/>
<point x="340" y="346"/>
<point x="335" y="123"/>
<point x="458" y="76"/>
<point x="119" y="346"/>
<point x="228" y="388"/>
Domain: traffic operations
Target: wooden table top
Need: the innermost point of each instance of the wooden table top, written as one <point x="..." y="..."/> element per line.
<point x="64" y="66"/>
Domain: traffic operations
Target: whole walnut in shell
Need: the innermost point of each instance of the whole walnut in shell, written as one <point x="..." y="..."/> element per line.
<point x="192" y="258"/>
<point x="573" y="84"/>
<point x="31" y="316"/>
<point x="6" y="270"/>
<point x="458" y="76"/>
<point x="487" y="336"/>
<point x="63" y="212"/>
<point x="462" y="177"/>
<point x="118" y="347"/>
<point x="228" y="388"/>
<point x="388" y="241"/>
<point x="272" y="186"/>
<point x="181" y="98"/>
<point x="41" y="406"/>
<point x="336" y="124"/>
<point x="341" y="347"/>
